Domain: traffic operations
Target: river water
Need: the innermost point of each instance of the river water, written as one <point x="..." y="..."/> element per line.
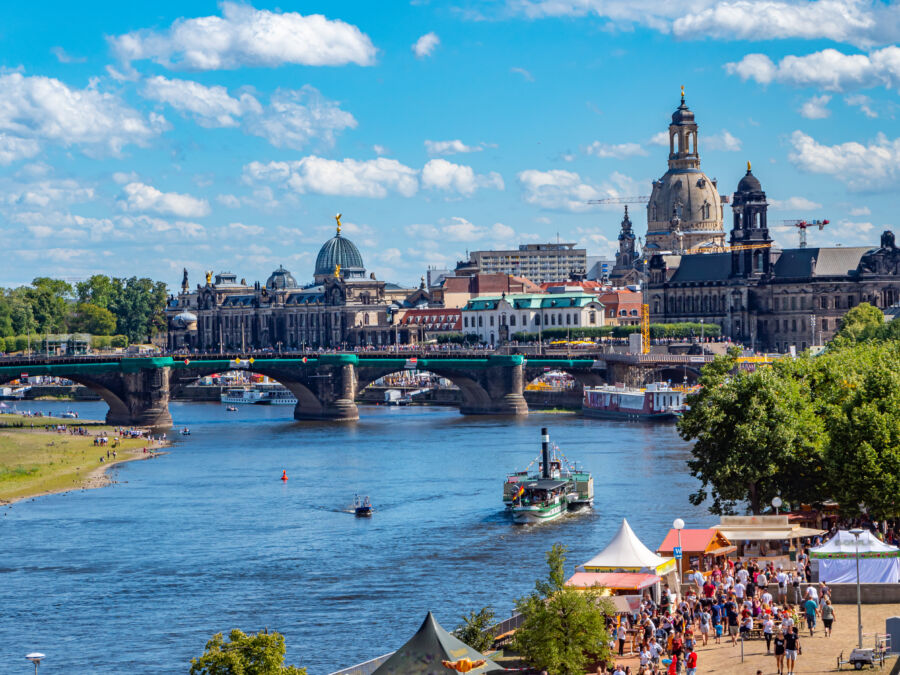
<point x="135" y="577"/>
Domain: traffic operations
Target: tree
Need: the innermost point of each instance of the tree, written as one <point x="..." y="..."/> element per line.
<point x="88" y="318"/>
<point x="564" y="629"/>
<point x="259" y="654"/>
<point x="139" y="308"/>
<point x="474" y="630"/>
<point x="863" y="322"/>
<point x="49" y="303"/>
<point x="756" y="436"/>
<point x="99" y="290"/>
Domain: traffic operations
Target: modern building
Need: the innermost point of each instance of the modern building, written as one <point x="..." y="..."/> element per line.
<point x="685" y="209"/>
<point x="456" y="291"/>
<point x="599" y="268"/>
<point x="765" y="297"/>
<point x="341" y="307"/>
<point x="537" y="262"/>
<point x="494" y="319"/>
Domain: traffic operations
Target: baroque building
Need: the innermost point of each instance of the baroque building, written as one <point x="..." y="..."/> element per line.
<point x="342" y="307"/>
<point x="768" y="298"/>
<point x="685" y="209"/>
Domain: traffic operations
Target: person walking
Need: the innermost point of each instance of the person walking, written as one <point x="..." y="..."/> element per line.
<point x="827" y="617"/>
<point x="691" y="663"/>
<point x="812" y="609"/>
<point x="621" y="633"/>
<point x="779" y="652"/>
<point x="768" y="627"/>
<point x="791" y="649"/>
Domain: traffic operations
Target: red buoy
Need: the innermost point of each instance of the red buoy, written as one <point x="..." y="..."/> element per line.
<point x="284" y="474"/>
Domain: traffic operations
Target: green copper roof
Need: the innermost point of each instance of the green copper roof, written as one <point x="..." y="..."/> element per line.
<point x="532" y="301"/>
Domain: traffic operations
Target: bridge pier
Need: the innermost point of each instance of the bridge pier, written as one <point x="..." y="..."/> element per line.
<point x="332" y="395"/>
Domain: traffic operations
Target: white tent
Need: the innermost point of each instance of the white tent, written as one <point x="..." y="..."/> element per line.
<point x="627" y="553"/>
<point x="879" y="563"/>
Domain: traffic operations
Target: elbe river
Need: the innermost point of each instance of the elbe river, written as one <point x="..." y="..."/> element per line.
<point x="136" y="577"/>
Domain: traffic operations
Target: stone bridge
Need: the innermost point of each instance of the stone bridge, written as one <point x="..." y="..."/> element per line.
<point x="137" y="390"/>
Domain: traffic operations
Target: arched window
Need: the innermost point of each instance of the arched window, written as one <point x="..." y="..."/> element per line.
<point x="512" y="320"/>
<point x="537" y="319"/>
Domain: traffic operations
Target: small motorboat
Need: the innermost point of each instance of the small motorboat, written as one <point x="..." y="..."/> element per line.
<point x="69" y="415"/>
<point x="185" y="432"/>
<point x="230" y="408"/>
<point x="362" y="507"/>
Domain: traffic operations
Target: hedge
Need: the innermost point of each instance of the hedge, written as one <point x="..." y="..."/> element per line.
<point x="657" y="330"/>
<point x="109" y="341"/>
<point x="19" y="343"/>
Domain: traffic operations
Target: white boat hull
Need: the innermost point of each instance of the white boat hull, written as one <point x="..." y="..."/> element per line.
<point x="536" y="514"/>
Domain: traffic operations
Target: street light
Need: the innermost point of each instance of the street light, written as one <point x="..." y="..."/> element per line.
<point x="776" y="502"/>
<point x="856" y="532"/>
<point x="35" y="658"/>
<point x="678" y="524"/>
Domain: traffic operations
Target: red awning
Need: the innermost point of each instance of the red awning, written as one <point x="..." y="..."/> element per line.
<point x="632" y="581"/>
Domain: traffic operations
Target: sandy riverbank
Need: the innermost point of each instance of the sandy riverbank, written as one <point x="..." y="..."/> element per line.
<point x="42" y="461"/>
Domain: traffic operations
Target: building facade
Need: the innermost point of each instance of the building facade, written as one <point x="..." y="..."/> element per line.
<point x="767" y="298"/>
<point x="342" y="307"/>
<point x="685" y="210"/>
<point x="496" y="319"/>
<point x="537" y="262"/>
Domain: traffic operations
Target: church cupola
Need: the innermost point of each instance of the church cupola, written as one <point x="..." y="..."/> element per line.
<point x="750" y="241"/>
<point x="625" y="256"/>
<point x="683" y="152"/>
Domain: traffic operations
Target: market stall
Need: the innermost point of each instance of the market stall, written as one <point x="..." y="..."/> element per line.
<point x="879" y="563"/>
<point x="766" y="538"/>
<point x="700" y="549"/>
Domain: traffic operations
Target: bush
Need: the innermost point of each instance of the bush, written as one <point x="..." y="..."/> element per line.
<point x="457" y="338"/>
<point x="119" y="341"/>
<point x="100" y="341"/>
<point x="657" y="330"/>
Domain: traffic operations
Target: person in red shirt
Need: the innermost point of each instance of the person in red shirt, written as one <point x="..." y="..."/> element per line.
<point x="691" y="663"/>
<point x="709" y="588"/>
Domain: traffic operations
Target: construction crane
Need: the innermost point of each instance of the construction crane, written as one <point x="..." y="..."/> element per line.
<point x="645" y="329"/>
<point x="802" y="225"/>
<point x="728" y="249"/>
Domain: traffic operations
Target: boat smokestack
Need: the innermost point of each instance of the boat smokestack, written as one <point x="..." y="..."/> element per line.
<point x="545" y="452"/>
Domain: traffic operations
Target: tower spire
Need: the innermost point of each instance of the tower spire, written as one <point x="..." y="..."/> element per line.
<point x="682" y="93"/>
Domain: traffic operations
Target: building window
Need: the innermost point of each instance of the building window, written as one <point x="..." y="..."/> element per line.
<point x="824" y="302"/>
<point x="575" y="320"/>
<point x="837" y="302"/>
<point x="537" y="319"/>
<point x="592" y="317"/>
<point x="793" y="325"/>
<point x="824" y="324"/>
<point x="466" y="321"/>
<point x="492" y="319"/>
<point x="553" y="319"/>
<point x="568" y="319"/>
<point x="512" y="320"/>
<point x="793" y="302"/>
<point x="849" y="302"/>
<point x="480" y="321"/>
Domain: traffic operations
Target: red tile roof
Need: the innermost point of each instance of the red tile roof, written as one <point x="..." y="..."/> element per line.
<point x="434" y="319"/>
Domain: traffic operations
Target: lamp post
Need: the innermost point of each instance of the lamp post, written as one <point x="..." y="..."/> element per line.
<point x="35" y="658"/>
<point x="776" y="503"/>
<point x="678" y="524"/>
<point x="856" y="532"/>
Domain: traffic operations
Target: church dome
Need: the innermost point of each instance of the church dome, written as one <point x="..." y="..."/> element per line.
<point x="339" y="251"/>
<point x="749" y="183"/>
<point x="683" y="114"/>
<point x="281" y="278"/>
<point x="184" y="320"/>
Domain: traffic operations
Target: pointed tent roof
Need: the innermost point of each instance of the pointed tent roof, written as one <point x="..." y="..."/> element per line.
<point x="423" y="654"/>
<point x="844" y="544"/>
<point x="626" y="551"/>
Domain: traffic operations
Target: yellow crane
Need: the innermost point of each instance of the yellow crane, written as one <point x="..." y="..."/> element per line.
<point x="645" y="329"/>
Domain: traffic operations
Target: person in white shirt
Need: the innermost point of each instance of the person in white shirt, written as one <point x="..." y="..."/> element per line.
<point x="812" y="593"/>
<point x="739" y="589"/>
<point x="768" y="627"/>
<point x="766" y="598"/>
<point x="698" y="579"/>
<point x="783" y="581"/>
<point x="742" y="575"/>
<point x="645" y="657"/>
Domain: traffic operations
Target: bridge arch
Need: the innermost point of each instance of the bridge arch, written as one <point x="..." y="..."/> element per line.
<point x="475" y="398"/>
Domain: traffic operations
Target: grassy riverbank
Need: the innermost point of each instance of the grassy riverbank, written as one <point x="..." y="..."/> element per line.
<point x="40" y="461"/>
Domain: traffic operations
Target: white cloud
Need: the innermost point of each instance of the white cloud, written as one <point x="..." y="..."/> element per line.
<point x="458" y="229"/>
<point x="244" y="36"/>
<point x="450" y="147"/>
<point x="439" y="174"/>
<point x="861" y="167"/>
<point x="64" y="57"/>
<point x="567" y="191"/>
<point x="426" y="45"/>
<point x="291" y="119"/>
<point x="524" y="73"/>
<point x="794" y="204"/>
<point x="240" y="228"/>
<point x="723" y="141"/>
<point x="143" y="197"/>
<point x="13" y="149"/>
<point x="46" y="193"/>
<point x="122" y="177"/>
<point x="36" y="109"/>
<point x="659" y="138"/>
<point x="210" y="106"/>
<point x="380" y="150"/>
<point x="618" y="151"/>
<point x="861" y="211"/>
<point x="348" y="177"/>
<point x="863" y="103"/>
<point x="828" y="69"/>
<point x="860" y="22"/>
<point x="229" y="201"/>
<point x="816" y="108"/>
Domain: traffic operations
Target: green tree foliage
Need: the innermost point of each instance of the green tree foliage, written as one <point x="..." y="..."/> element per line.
<point x="99" y="290"/>
<point x="564" y="629"/>
<point x="48" y="299"/>
<point x="139" y="308"/>
<point x="88" y="318"/>
<point x="757" y="435"/>
<point x="259" y="654"/>
<point x="6" y="323"/>
<point x="657" y="330"/>
<point x="474" y="630"/>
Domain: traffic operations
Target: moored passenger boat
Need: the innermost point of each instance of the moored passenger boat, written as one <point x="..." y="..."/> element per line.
<point x="658" y="401"/>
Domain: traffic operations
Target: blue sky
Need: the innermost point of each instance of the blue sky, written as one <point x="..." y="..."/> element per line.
<point x="141" y="138"/>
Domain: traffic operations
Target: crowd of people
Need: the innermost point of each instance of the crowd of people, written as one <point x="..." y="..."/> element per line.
<point x="733" y="603"/>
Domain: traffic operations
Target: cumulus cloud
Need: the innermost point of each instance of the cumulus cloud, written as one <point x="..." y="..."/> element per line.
<point x="349" y="177"/>
<point x="816" y="108"/>
<point x="240" y="228"/>
<point x="618" y="150"/>
<point x="828" y="69"/>
<point x="567" y="191"/>
<point x="244" y="36"/>
<point x="458" y="229"/>
<point x="861" y="211"/>
<point x="42" y="109"/>
<point x="859" y="22"/>
<point x="64" y="57"/>
<point x="229" y="201"/>
<point x="862" y="102"/>
<point x="143" y="197"/>
<point x="450" y="147"/>
<point x="426" y="45"/>
<point x="659" y="138"/>
<point x="723" y="141"/>
<point x="291" y="119"/>
<point x="439" y="174"/>
<point x="528" y="77"/>
<point x="794" y="204"/>
<point x="861" y="167"/>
